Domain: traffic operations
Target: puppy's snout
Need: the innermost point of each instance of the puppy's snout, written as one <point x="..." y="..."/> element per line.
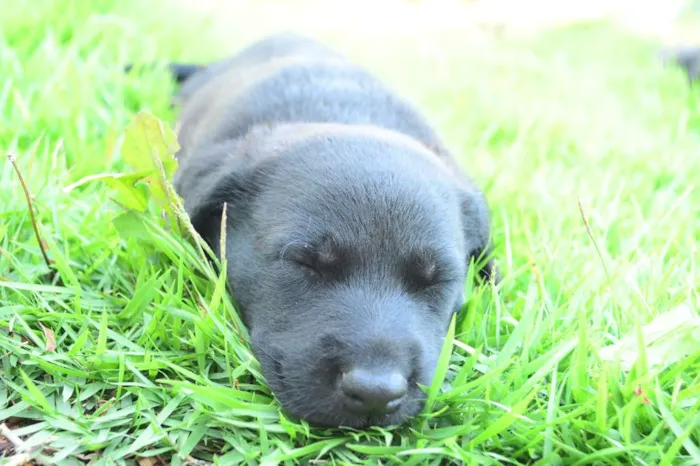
<point x="373" y="391"/>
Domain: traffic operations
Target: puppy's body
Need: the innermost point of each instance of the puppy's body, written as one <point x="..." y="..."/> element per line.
<point x="350" y="225"/>
<point x="291" y="79"/>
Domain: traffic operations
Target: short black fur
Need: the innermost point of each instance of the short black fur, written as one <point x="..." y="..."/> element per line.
<point x="350" y="226"/>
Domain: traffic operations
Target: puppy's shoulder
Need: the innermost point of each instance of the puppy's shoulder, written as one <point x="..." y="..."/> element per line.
<point x="273" y="48"/>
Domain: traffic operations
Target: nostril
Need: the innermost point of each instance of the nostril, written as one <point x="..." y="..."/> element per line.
<point x="373" y="391"/>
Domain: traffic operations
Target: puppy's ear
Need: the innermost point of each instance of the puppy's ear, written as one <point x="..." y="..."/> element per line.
<point x="229" y="188"/>
<point x="477" y="234"/>
<point x="207" y="182"/>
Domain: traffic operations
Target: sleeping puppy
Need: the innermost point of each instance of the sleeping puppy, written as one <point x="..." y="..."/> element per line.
<point x="350" y="227"/>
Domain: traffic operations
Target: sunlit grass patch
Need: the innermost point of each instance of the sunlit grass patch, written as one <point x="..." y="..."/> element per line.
<point x="138" y="352"/>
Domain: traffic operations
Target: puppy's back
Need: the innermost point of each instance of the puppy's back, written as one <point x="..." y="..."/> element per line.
<point x="289" y="78"/>
<point x="279" y="46"/>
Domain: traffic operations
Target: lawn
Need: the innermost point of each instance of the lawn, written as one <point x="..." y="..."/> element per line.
<point x="130" y="353"/>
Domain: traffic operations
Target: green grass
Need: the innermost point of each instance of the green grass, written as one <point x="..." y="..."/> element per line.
<point x="150" y="359"/>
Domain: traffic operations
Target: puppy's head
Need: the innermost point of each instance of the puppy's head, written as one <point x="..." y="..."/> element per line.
<point x="347" y="251"/>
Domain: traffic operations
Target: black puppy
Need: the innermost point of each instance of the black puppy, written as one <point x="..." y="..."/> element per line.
<point x="350" y="227"/>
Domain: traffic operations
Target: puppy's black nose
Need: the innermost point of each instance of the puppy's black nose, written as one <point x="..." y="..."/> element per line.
<point x="373" y="391"/>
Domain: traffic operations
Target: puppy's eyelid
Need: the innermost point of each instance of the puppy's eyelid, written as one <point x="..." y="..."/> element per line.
<point x="438" y="282"/>
<point x="430" y="270"/>
<point x="424" y="271"/>
<point x="308" y="267"/>
<point x="290" y="248"/>
<point x="427" y="277"/>
<point x="303" y="259"/>
<point x="301" y="255"/>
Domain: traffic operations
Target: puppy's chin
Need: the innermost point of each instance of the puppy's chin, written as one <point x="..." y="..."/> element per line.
<point x="350" y="420"/>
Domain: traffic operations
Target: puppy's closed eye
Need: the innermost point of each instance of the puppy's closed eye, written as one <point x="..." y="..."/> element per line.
<point x="302" y="256"/>
<point x="308" y="265"/>
<point x="318" y="259"/>
<point x="424" y="273"/>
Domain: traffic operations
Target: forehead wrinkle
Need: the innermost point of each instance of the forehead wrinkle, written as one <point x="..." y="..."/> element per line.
<point x="371" y="210"/>
<point x="357" y="213"/>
